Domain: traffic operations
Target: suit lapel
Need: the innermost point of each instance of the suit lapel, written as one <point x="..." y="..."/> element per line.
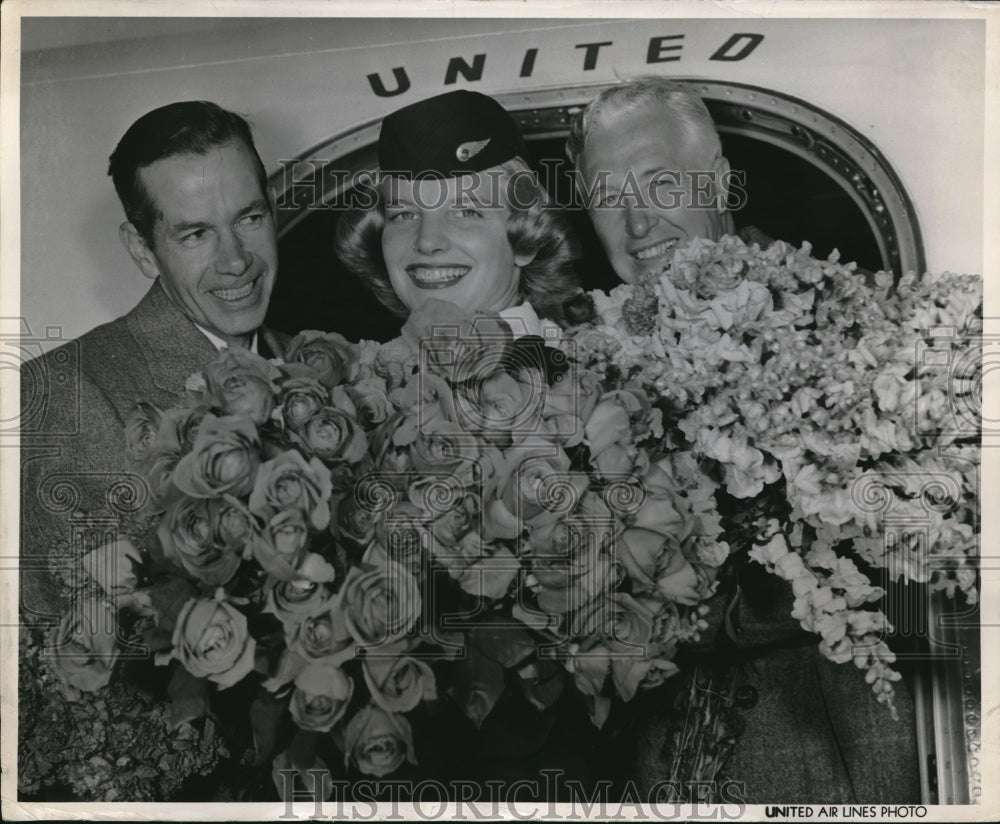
<point x="271" y="343"/>
<point x="172" y="346"/>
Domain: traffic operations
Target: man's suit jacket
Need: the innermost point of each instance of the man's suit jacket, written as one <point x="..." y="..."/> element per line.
<point x="75" y="475"/>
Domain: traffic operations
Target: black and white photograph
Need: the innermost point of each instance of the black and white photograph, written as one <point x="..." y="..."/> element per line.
<point x="547" y="411"/>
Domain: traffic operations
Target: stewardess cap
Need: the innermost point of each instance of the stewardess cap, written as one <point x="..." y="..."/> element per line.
<point x="452" y="134"/>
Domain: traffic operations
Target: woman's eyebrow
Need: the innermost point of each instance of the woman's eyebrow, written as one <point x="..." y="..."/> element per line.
<point x="398" y="201"/>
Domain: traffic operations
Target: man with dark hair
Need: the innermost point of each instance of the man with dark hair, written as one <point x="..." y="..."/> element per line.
<point x="200" y="225"/>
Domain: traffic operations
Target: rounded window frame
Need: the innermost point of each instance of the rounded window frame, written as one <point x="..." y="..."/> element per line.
<point x="792" y="124"/>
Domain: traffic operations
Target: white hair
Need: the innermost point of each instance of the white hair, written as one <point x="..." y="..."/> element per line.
<point x="641" y="94"/>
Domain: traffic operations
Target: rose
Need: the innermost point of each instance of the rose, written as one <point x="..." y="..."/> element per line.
<point x="627" y="627"/>
<point x="438" y="447"/>
<point x="321" y="696"/>
<point x="678" y="581"/>
<point x="141" y="425"/>
<point x="281" y="549"/>
<point x="321" y="636"/>
<point x="378" y="741"/>
<point x="659" y="564"/>
<point x="289" y="482"/>
<point x="395" y="361"/>
<point x="427" y="443"/>
<point x="281" y="546"/>
<point x="398" y="684"/>
<point x="352" y="522"/>
<point x="205" y="537"/>
<point x="499" y="406"/>
<point x="82" y="646"/>
<point x="211" y="641"/>
<point x="293" y="601"/>
<point x="620" y="622"/>
<point x="619" y="421"/>
<point x="379" y="604"/>
<point x="452" y="526"/>
<point x="300" y="399"/>
<point x="224" y="458"/>
<point x="158" y="471"/>
<point x="399" y="534"/>
<point x="660" y="524"/>
<point x="454" y="343"/>
<point x="567" y="572"/>
<point x="239" y="382"/>
<point x="329" y="356"/>
<point x="424" y="394"/>
<point x="371" y="400"/>
<point x="569" y="401"/>
<point x="533" y="485"/>
<point x="343" y="477"/>
<point x="178" y="427"/>
<point x="390" y="461"/>
<point x="333" y="436"/>
<point x="482" y="568"/>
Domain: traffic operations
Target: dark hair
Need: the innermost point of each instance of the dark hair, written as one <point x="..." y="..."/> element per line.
<point x="534" y="229"/>
<point x="188" y="127"/>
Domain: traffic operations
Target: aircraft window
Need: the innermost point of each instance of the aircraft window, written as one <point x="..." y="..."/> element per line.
<point x="808" y="177"/>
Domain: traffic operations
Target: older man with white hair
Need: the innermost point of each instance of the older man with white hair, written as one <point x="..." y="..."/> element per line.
<point x="651" y="167"/>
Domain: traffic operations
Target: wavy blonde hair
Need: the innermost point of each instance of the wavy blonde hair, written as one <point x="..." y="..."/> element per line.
<point x="535" y="229"/>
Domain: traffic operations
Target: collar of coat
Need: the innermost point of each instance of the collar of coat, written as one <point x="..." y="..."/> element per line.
<point x="173" y="346"/>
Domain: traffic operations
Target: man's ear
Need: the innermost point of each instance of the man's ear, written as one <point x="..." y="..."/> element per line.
<point x="721" y="169"/>
<point x="139" y="250"/>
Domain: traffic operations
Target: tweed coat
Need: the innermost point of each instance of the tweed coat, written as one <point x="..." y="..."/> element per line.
<point x="814" y="732"/>
<point x="74" y="401"/>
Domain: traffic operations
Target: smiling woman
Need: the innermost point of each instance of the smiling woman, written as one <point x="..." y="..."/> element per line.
<point x="450" y="243"/>
<point x="458" y="216"/>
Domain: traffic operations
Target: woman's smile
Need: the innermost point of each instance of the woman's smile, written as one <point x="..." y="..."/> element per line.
<point x="449" y="237"/>
<point x="436" y="276"/>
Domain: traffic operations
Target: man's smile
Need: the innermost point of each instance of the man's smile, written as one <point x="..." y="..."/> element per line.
<point x="656" y="250"/>
<point x="236" y="295"/>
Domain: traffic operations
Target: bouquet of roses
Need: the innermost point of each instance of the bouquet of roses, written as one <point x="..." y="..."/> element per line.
<point x="827" y="399"/>
<point x="346" y="537"/>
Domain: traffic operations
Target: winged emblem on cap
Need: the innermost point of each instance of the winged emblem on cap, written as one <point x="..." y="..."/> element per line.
<point x="471" y="149"/>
